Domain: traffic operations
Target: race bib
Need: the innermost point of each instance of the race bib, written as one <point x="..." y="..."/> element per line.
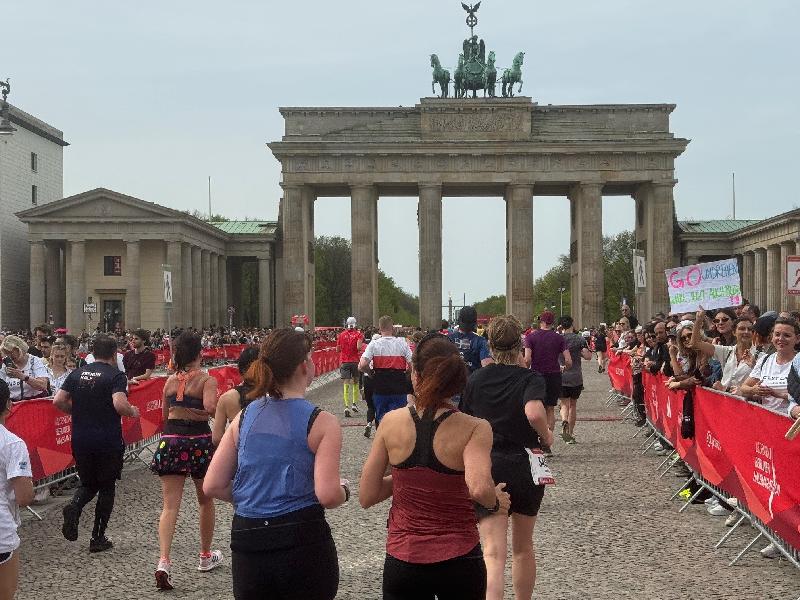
<point x="540" y="472"/>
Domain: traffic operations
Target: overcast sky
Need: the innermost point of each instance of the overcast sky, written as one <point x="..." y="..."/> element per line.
<point x="156" y="96"/>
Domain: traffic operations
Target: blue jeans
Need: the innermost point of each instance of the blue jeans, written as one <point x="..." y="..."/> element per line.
<point x="385" y="403"/>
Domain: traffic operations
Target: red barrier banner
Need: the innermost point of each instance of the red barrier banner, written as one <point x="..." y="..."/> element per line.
<point x="620" y="374"/>
<point x="47" y="433"/>
<point x="227" y="378"/>
<point x="664" y="408"/>
<point x="147" y="397"/>
<point x="741" y="449"/>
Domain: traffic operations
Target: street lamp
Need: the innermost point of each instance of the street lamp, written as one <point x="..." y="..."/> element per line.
<point x="561" y="291"/>
<point x="5" y="125"/>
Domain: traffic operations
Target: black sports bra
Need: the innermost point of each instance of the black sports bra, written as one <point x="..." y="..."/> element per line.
<point x="423" y="454"/>
<point x="187" y="402"/>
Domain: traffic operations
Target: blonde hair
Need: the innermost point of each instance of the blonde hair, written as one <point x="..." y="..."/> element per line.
<point x="10" y="342"/>
<point x="505" y="339"/>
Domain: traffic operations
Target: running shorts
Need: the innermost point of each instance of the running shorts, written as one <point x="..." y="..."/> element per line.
<point x="571" y="391"/>
<point x="515" y="471"/>
<point x="5" y="557"/>
<point x="387" y="402"/>
<point x="348" y="370"/>
<point x="185" y="448"/>
<point x="552" y="384"/>
<point x="459" y="578"/>
<point x="98" y="469"/>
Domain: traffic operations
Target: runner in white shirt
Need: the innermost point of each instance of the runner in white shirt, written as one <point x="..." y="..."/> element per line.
<point x="16" y="489"/>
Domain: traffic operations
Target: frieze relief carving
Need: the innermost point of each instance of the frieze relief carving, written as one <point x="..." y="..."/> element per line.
<point x="432" y="163"/>
<point x="475" y="123"/>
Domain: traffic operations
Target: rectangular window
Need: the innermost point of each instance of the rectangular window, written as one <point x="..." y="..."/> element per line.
<point x="112" y="266"/>
<point x="34" y="195"/>
<point x="34" y="162"/>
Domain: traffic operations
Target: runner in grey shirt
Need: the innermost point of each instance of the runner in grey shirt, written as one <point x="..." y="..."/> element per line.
<point x="572" y="378"/>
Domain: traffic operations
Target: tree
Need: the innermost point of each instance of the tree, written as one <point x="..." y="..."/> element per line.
<point x="333" y="292"/>
<point x="618" y="278"/>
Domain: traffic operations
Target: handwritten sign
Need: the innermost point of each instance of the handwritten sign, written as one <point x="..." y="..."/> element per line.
<point x="710" y="285"/>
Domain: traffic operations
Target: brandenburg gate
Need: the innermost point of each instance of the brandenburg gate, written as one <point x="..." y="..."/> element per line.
<point x="509" y="147"/>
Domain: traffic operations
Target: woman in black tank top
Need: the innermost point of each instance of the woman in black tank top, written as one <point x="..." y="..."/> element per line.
<point x="234" y="400"/>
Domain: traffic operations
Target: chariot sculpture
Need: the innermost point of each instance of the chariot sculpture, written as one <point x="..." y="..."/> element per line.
<point x="475" y="70"/>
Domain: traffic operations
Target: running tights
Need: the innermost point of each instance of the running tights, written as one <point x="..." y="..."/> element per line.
<point x="102" y="511"/>
<point x="461" y="578"/>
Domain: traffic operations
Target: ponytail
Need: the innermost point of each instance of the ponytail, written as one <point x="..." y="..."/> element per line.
<point x="441" y="372"/>
<point x="281" y="353"/>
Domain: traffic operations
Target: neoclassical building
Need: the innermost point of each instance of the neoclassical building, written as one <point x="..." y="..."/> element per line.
<point x="762" y="248"/>
<point x="109" y="250"/>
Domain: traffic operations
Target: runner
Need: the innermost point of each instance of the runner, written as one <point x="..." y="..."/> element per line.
<point x="189" y="398"/>
<point x="440" y="465"/>
<point x="472" y="347"/>
<point x="96" y="397"/>
<point x="571" y="378"/>
<point x="349" y="344"/>
<point x="16" y="490"/>
<point x="390" y="359"/>
<point x="234" y="400"/>
<point x="601" y="347"/>
<point x="510" y="398"/>
<point x="543" y="347"/>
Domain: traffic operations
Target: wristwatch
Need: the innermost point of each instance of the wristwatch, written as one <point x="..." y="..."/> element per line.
<point x="495" y="508"/>
<point x="25" y="379"/>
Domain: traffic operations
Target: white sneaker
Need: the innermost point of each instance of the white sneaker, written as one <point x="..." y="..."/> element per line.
<point x="712" y="500"/>
<point x="355" y="408"/>
<point x="658" y="447"/>
<point x="717" y="510"/>
<point x="732" y="520"/>
<point x="770" y="551"/>
<point x="210" y="562"/>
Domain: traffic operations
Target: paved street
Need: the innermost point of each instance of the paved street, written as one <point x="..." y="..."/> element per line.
<point x="606" y="531"/>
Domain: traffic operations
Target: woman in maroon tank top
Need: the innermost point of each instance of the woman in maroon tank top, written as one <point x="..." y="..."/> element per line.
<point x="440" y="466"/>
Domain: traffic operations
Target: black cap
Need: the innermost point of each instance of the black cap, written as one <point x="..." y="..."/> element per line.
<point x="765" y="323"/>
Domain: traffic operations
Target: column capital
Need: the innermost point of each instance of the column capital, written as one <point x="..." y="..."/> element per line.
<point x="363" y="186"/>
<point x="74" y="242"/>
<point x="423" y="185"/>
<point x="130" y="241"/>
<point x="520" y="186"/>
<point x="36" y="242"/>
<point x="291" y="186"/>
<point x="664" y="183"/>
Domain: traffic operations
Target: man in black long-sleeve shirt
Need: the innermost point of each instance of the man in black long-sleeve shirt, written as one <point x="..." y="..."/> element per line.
<point x="657" y="357"/>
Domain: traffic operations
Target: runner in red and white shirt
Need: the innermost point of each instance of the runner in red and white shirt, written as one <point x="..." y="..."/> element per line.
<point x="349" y="344"/>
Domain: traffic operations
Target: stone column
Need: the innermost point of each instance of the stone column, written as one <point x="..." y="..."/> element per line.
<point x="212" y="283"/>
<point x="586" y="254"/>
<point x="175" y="262"/>
<point x="298" y="250"/>
<point x="429" y="218"/>
<point x="364" y="261"/>
<point x="773" y="283"/>
<point x="133" y="298"/>
<point x="76" y="286"/>
<point x="235" y="273"/>
<point x="519" y="251"/>
<point x="786" y="250"/>
<point x="748" y="268"/>
<point x="205" y="261"/>
<point x="197" y="289"/>
<point x="37" y="283"/>
<point x="654" y="234"/>
<point x="760" y="279"/>
<point x="264" y="292"/>
<point x="53" y="283"/>
<point x="222" y="285"/>
<point x="187" y="293"/>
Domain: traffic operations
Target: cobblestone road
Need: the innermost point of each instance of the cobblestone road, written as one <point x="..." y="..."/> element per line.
<point x="606" y="531"/>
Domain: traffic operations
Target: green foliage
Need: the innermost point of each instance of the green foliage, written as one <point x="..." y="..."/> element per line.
<point x="333" y="287"/>
<point x="205" y="217"/>
<point x="618" y="277"/>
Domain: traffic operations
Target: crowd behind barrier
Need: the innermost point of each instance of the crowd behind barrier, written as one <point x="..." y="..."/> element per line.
<point x="47" y="432"/>
<point x="735" y="448"/>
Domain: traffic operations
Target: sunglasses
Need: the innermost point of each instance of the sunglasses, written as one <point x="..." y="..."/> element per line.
<point x="723" y="320"/>
<point x="686" y="337"/>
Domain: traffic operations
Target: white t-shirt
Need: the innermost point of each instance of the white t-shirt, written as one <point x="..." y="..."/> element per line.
<point x="773" y="375"/>
<point x="120" y="365"/>
<point x="34" y="367"/>
<point x="14" y="462"/>
<point x="734" y="373"/>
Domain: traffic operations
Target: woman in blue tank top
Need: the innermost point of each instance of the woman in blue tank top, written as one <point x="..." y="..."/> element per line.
<point x="278" y="463"/>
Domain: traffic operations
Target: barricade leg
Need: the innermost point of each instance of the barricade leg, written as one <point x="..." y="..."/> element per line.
<point x="683" y="487"/>
<point x="34" y="513"/>
<point x="695" y="495"/>
<point x="675" y="458"/>
<point x="648" y="439"/>
<point x="746" y="548"/>
<point x="729" y="533"/>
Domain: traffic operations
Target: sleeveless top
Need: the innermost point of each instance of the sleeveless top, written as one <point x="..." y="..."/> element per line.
<point x="275" y="475"/>
<point x="187" y="402"/>
<point x="242" y="390"/>
<point x="432" y="518"/>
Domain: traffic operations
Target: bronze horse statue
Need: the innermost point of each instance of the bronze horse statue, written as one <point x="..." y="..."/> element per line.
<point x="440" y="76"/>
<point x="512" y="76"/>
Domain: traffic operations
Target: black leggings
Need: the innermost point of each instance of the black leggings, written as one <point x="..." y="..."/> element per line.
<point x="368" y="392"/>
<point x="292" y="557"/>
<point x="460" y="578"/>
<point x="98" y="472"/>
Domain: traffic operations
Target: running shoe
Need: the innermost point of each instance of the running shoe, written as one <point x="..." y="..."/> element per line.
<point x="547" y="451"/>
<point x="732" y="520"/>
<point x="571" y="441"/>
<point x="710" y="501"/>
<point x="717" y="510"/>
<point x="72" y="515"/>
<point x="212" y="561"/>
<point x="347" y="413"/>
<point x="565" y="431"/>
<point x="163" y="578"/>
<point x="354" y="408"/>
<point x="599" y="369"/>
<point x="368" y="430"/>
<point x="100" y="544"/>
<point x="770" y="551"/>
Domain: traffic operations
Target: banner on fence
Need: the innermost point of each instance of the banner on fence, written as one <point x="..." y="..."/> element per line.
<point x="710" y="285"/>
<point x="619" y="371"/>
